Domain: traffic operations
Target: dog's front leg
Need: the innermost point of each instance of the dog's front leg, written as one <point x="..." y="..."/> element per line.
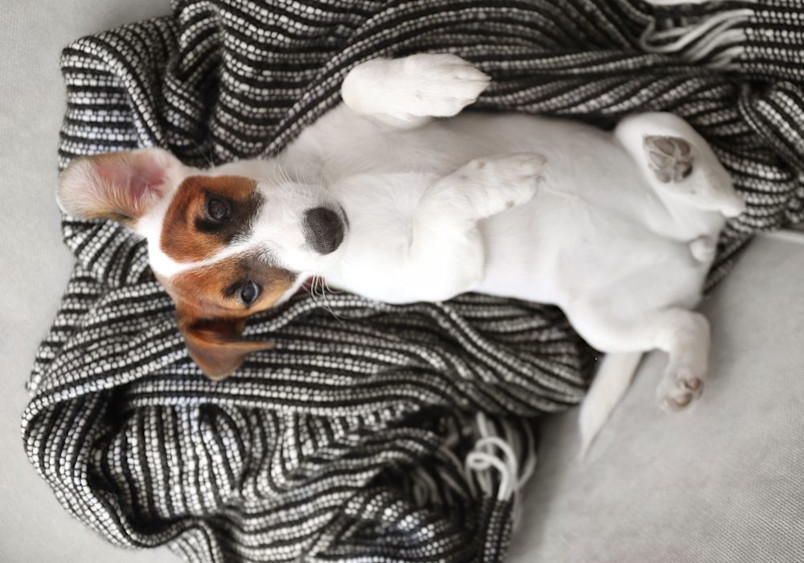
<point x="485" y="186"/>
<point x="408" y="92"/>
<point x="447" y="251"/>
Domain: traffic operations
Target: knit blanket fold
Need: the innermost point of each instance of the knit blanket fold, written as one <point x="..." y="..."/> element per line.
<point x="371" y="432"/>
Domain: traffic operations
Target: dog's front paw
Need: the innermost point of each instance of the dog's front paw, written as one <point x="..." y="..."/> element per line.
<point x="679" y="387"/>
<point x="437" y="85"/>
<point x="498" y="183"/>
<point x="415" y="87"/>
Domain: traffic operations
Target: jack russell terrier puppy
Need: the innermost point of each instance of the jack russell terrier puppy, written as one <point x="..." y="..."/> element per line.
<point x="617" y="229"/>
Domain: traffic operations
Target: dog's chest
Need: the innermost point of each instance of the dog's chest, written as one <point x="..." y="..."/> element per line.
<point x="341" y="145"/>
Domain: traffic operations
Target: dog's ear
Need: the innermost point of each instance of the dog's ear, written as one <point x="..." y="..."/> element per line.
<point x="121" y="186"/>
<point x="216" y="345"/>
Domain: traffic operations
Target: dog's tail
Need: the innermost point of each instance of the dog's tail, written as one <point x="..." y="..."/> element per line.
<point x="608" y="387"/>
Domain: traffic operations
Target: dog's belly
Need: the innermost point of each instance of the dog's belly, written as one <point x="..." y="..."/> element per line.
<point x="551" y="252"/>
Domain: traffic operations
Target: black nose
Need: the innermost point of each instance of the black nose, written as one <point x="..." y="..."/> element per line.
<point x="323" y="229"/>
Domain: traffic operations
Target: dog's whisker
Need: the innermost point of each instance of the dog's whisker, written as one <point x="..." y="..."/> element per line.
<point x="329" y="288"/>
<point x="318" y="289"/>
<point x="284" y="175"/>
<point x="204" y="155"/>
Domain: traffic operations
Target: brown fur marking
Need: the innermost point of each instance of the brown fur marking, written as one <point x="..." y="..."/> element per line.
<point x="183" y="237"/>
<point x="211" y="315"/>
<point x="209" y="291"/>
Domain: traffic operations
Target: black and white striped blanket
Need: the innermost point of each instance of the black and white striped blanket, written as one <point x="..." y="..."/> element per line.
<point x="371" y="432"/>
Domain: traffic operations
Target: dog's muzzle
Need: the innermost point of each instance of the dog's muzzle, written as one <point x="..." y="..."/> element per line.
<point x="324" y="229"/>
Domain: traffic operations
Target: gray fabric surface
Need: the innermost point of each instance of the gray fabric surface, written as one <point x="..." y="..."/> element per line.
<point x="35" y="265"/>
<point x="722" y="482"/>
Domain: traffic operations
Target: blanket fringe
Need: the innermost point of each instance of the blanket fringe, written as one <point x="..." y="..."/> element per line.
<point x="716" y="40"/>
<point x="508" y="450"/>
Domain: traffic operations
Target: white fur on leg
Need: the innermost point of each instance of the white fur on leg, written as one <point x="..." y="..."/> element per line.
<point x="686" y="339"/>
<point x="707" y="186"/>
<point x="703" y="249"/>
<point x="488" y="185"/>
<point x="608" y="387"/>
<point x="446" y="247"/>
<point x="406" y="92"/>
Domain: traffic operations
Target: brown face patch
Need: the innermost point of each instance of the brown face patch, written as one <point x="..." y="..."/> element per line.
<point x="207" y="214"/>
<point x="211" y="314"/>
<point x="213" y="291"/>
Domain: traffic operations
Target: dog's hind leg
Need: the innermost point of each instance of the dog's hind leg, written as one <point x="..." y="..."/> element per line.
<point x="678" y="163"/>
<point x="408" y="92"/>
<point x="682" y="333"/>
<point x="685" y="336"/>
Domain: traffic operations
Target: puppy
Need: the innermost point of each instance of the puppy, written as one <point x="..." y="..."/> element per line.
<point x="618" y="229"/>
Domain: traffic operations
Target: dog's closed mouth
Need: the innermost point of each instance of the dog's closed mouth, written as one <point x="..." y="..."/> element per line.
<point x="308" y="286"/>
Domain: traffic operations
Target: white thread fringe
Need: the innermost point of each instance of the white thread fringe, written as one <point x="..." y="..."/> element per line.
<point x="501" y="451"/>
<point x="694" y="42"/>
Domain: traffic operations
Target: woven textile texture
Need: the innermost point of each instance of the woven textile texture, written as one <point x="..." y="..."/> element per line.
<point x="371" y="432"/>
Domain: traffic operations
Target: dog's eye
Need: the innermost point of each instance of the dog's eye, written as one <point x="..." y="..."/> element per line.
<point x="217" y="209"/>
<point x="249" y="292"/>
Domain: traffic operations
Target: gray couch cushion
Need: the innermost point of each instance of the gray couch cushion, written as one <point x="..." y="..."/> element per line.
<point x="35" y="265"/>
<point x="721" y="482"/>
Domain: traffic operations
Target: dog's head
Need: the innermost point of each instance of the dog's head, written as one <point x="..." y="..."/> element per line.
<point x="225" y="243"/>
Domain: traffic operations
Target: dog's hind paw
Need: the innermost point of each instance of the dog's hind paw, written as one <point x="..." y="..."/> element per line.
<point x="672" y="161"/>
<point x="678" y="388"/>
<point x="670" y="158"/>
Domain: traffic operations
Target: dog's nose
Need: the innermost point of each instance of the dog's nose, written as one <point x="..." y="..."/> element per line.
<point x="324" y="229"/>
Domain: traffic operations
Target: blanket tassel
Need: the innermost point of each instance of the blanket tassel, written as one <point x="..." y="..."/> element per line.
<point x="716" y="40"/>
<point x="507" y="451"/>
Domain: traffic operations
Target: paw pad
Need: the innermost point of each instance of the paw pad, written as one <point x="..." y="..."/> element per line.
<point x="678" y="389"/>
<point x="670" y="158"/>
